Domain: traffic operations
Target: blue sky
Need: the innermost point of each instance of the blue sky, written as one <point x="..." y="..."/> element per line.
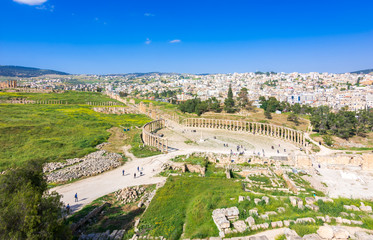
<point x="121" y="36"/>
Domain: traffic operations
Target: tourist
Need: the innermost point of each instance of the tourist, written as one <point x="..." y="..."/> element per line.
<point x="76" y="197"/>
<point x="138" y="169"/>
<point x="278" y="151"/>
<point x="123" y="172"/>
<point x="68" y="209"/>
<point x="134" y="175"/>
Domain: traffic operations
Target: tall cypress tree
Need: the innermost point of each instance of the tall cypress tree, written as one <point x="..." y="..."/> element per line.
<point x="229" y="101"/>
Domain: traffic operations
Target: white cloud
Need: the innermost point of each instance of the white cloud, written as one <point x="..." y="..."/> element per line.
<point x="175" y="41"/>
<point x="31" y="2"/>
<point x="45" y="7"/>
<point x="149" y="15"/>
<point x="148" y="41"/>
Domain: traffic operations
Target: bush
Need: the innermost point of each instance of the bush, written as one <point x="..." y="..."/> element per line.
<point x="328" y="140"/>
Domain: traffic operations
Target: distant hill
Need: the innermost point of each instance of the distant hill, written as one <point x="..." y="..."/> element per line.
<point x="366" y="71"/>
<point x="17" y="71"/>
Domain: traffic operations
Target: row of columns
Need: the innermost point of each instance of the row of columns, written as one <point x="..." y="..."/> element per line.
<point x="152" y="140"/>
<point x="103" y="103"/>
<point x="266" y="129"/>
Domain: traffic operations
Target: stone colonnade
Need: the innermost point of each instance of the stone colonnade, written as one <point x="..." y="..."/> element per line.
<point x="25" y="101"/>
<point x="265" y="129"/>
<point x="150" y="139"/>
<point x="103" y="103"/>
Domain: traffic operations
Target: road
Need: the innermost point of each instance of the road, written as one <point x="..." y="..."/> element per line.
<point x="94" y="187"/>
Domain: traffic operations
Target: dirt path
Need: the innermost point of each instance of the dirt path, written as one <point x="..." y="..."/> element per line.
<point x="92" y="188"/>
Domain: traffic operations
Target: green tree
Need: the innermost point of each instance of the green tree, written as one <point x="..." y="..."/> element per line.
<point x="267" y="114"/>
<point x="229" y="102"/>
<point x="27" y="209"/>
<point x="294" y="118"/>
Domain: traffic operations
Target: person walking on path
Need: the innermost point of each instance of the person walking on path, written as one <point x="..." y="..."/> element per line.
<point x="123" y="172"/>
<point x="68" y="209"/>
<point x="134" y="175"/>
<point x="76" y="197"/>
<point x="138" y="169"/>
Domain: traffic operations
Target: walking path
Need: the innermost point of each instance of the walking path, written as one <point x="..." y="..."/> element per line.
<point x="92" y="188"/>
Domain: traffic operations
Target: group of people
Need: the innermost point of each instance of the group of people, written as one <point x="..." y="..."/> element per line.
<point x="139" y="170"/>
<point x="68" y="205"/>
<point x="240" y="150"/>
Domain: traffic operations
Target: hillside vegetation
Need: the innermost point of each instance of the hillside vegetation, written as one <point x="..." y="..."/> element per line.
<point x="17" y="71"/>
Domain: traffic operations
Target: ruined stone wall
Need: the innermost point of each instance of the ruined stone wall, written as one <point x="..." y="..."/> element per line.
<point x="365" y="161"/>
<point x="113" y="110"/>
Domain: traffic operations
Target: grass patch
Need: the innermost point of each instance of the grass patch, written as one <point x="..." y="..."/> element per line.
<point x="54" y="132"/>
<point x="188" y="200"/>
<point x="71" y="97"/>
<point x="262" y="179"/>
<point x="139" y="150"/>
<point x="304" y="229"/>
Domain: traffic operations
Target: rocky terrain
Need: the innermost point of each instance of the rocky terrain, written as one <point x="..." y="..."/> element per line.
<point x="92" y="164"/>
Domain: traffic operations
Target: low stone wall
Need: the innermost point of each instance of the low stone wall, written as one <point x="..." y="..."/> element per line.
<point x="90" y="215"/>
<point x="183" y="167"/>
<point x="112" y="110"/>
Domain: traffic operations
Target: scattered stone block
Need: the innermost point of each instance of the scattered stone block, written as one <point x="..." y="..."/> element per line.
<point x="327" y="219"/>
<point x="264" y="216"/>
<point x="240" y="226"/>
<point x="277" y="224"/>
<point x="271" y="213"/>
<point x="300" y="205"/>
<point x="365" y="208"/>
<point x="346" y="221"/>
<point x="313" y="236"/>
<point x="321" y="218"/>
<point x="344" y="214"/>
<point x="338" y="220"/>
<point x="356" y="222"/>
<point x="347" y="207"/>
<point x="325" y="232"/>
<point x="265" y="199"/>
<point x="253" y="212"/>
<point x="355" y="208"/>
<point x="232" y="213"/>
<point x="310" y="200"/>
<point x="341" y="233"/>
<point x="281" y="210"/>
<point x="305" y="220"/>
<point x="257" y="200"/>
<point x="241" y="198"/>
<point x="250" y="221"/>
